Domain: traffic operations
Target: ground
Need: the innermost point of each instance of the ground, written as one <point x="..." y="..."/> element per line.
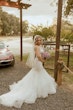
<point x="62" y="100"/>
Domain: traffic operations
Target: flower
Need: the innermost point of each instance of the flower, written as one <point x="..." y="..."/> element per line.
<point x="45" y="55"/>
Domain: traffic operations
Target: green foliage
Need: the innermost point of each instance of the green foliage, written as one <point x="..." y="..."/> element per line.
<point x="69" y="7"/>
<point x="37" y="32"/>
<point x="10" y="24"/>
<point x="50" y="32"/>
<point x="69" y="37"/>
<point x="25" y="27"/>
<point x="67" y="32"/>
<point x="45" y="32"/>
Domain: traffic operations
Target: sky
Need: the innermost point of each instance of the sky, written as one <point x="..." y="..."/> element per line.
<point x="41" y="12"/>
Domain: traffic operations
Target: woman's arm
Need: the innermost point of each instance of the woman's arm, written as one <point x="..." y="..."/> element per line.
<point x="37" y="53"/>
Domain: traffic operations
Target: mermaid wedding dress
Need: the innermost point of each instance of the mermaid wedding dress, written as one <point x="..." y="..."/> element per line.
<point x="36" y="84"/>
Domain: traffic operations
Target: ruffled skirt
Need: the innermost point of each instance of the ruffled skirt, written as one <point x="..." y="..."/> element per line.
<point x="36" y="84"/>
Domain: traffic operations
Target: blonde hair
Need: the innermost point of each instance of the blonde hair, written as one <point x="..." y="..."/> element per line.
<point x="36" y="38"/>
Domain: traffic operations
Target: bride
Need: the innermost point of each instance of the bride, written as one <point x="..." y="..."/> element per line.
<point x="36" y="84"/>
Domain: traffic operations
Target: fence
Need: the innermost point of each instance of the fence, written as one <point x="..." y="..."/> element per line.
<point x="64" y="53"/>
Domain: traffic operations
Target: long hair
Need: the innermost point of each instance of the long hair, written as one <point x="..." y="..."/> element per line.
<point x="36" y="38"/>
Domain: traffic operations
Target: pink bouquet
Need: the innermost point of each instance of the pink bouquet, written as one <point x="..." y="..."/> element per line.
<point x="45" y="55"/>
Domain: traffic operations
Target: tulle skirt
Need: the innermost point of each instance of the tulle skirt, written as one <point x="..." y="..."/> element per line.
<point x="36" y="84"/>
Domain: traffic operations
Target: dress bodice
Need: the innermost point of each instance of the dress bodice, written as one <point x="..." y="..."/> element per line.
<point x="37" y="62"/>
<point x="41" y="49"/>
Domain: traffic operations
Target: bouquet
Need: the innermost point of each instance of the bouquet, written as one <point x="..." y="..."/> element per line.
<point x="45" y="55"/>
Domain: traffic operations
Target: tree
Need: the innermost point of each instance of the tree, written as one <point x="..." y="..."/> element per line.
<point x="47" y="32"/>
<point x="36" y="30"/>
<point x="5" y="22"/>
<point x="9" y="24"/>
<point x="25" y="27"/>
<point x="66" y="32"/>
<point x="69" y="37"/>
<point x="69" y="7"/>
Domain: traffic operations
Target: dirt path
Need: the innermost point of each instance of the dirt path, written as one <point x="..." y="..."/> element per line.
<point x="62" y="100"/>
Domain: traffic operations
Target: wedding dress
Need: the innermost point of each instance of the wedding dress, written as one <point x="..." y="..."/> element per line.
<point x="36" y="84"/>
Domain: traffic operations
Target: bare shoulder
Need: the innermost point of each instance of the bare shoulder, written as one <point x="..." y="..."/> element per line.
<point x="36" y="47"/>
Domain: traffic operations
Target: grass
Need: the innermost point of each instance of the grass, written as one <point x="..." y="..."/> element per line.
<point x="24" y="57"/>
<point x="67" y="77"/>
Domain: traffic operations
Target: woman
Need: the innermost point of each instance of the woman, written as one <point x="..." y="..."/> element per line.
<point x="30" y="87"/>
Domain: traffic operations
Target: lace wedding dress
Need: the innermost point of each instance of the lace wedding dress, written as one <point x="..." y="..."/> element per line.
<point x="36" y="84"/>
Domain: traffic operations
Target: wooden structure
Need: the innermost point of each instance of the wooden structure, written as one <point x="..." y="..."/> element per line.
<point x="60" y="66"/>
<point x="58" y="37"/>
<point x="19" y="5"/>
